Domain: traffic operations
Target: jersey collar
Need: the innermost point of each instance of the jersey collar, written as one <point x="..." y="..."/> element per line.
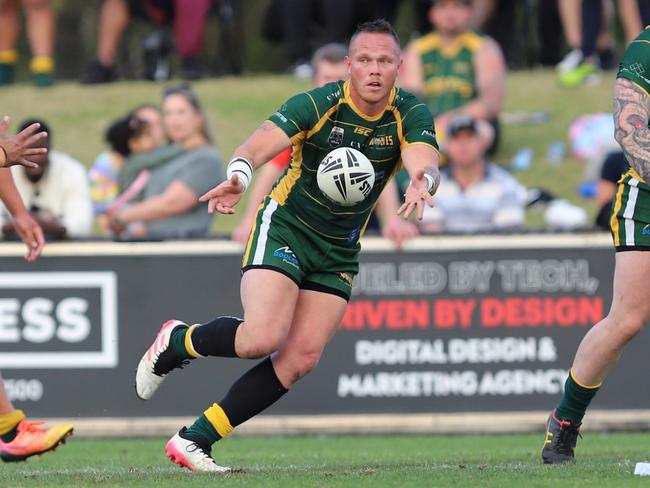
<point x="348" y="99"/>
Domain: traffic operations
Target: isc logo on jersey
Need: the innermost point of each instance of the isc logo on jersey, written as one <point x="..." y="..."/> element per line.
<point x="346" y="176"/>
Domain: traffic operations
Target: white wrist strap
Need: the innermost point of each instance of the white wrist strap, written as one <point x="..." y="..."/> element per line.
<point x="430" y="182"/>
<point x="242" y="168"/>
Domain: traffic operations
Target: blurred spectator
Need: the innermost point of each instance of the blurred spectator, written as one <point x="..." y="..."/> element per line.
<point x="300" y="18"/>
<point x="137" y="144"/>
<point x="170" y="206"/>
<point x="457" y="71"/>
<point x="612" y="170"/>
<point x="188" y="18"/>
<point x="474" y="194"/>
<point x="40" y="30"/>
<point x="587" y="27"/>
<point x="56" y="193"/>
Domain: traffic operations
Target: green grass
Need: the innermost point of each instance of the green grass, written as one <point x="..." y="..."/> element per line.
<point x="79" y="114"/>
<point x="364" y="461"/>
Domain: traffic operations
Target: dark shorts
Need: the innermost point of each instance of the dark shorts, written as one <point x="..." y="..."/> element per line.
<point x="280" y="242"/>
<point x="630" y="220"/>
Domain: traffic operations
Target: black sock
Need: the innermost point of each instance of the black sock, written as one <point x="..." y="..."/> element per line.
<point x="216" y="338"/>
<point x="254" y="392"/>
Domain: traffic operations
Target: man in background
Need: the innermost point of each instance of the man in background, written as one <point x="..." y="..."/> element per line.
<point x="457" y="71"/>
<point x="474" y="195"/>
<point x="56" y="192"/>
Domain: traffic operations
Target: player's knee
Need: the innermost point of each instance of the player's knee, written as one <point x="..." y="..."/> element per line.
<point x="629" y="326"/>
<point x="304" y="362"/>
<point x="256" y="340"/>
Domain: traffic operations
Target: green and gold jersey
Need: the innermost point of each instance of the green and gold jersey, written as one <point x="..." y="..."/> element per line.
<point x="635" y="65"/>
<point x="449" y="77"/>
<point x="325" y="118"/>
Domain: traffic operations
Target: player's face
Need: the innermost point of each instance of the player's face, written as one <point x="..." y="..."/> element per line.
<point x="181" y="120"/>
<point x="155" y="128"/>
<point x="464" y="149"/>
<point x="373" y="64"/>
<point x="327" y="72"/>
<point x="450" y="17"/>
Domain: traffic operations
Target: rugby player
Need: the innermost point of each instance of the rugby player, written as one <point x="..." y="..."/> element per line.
<point x="328" y="63"/>
<point x="20" y="438"/>
<point x="294" y="300"/>
<point x="630" y="220"/>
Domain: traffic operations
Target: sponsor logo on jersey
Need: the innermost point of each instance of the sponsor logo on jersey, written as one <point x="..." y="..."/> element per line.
<point x="364" y="131"/>
<point x="346" y="277"/>
<point x="381" y="141"/>
<point x="287" y="255"/>
<point x="646" y="230"/>
<point x="336" y="136"/>
<point x="427" y="132"/>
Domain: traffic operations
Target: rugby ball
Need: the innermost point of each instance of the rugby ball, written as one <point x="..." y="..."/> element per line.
<point x="346" y="176"/>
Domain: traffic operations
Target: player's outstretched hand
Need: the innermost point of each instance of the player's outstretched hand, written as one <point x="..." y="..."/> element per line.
<point x="31" y="234"/>
<point x="415" y="197"/>
<point x="18" y="149"/>
<point x="224" y="196"/>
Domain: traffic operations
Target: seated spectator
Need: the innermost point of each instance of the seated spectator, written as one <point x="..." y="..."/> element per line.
<point x="137" y="144"/>
<point x="56" y="193"/>
<point x="457" y="71"/>
<point x="613" y="168"/>
<point x="170" y="207"/>
<point x="474" y="194"/>
<point x="40" y="29"/>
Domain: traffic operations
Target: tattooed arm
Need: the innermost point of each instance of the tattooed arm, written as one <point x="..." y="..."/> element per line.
<point x="631" y="116"/>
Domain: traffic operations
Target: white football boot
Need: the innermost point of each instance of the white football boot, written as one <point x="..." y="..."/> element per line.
<point x="192" y="455"/>
<point x="158" y="361"/>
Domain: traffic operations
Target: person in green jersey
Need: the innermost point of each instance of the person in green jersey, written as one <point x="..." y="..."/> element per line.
<point x="457" y="71"/>
<point x="302" y="253"/>
<point x="630" y="225"/>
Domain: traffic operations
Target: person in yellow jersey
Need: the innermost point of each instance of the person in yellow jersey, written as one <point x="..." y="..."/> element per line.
<point x="19" y="437"/>
<point x="457" y="71"/>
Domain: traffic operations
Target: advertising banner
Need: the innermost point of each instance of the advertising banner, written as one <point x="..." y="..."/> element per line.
<point x="438" y="330"/>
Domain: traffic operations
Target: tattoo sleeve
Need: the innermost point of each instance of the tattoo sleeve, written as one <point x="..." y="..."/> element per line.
<point x="631" y="116"/>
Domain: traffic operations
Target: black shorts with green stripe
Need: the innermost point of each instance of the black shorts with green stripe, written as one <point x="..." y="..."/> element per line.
<point x="280" y="242"/>
<point x="630" y="220"/>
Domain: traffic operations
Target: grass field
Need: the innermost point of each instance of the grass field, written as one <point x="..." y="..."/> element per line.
<point x="605" y="460"/>
<point x="79" y="114"/>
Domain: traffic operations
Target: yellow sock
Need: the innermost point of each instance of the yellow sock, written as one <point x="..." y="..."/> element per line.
<point x="10" y="420"/>
<point x="9" y="57"/>
<point x="42" y="64"/>
<point x="219" y="420"/>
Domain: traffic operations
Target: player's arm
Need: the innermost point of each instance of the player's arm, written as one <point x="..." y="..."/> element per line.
<point x="23" y="224"/>
<point x="631" y="116"/>
<point x="490" y="70"/>
<point x="421" y="162"/>
<point x="267" y="141"/>
<point x="263" y="144"/>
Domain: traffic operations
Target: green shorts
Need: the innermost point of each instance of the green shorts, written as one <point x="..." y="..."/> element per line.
<point x="630" y="221"/>
<point x="281" y="242"/>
